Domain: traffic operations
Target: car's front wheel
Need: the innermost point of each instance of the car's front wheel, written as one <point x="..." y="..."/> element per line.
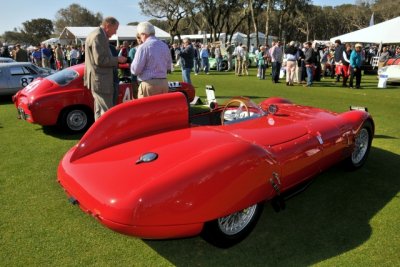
<point x="227" y="231"/>
<point x="75" y="120"/>
<point x="362" y="145"/>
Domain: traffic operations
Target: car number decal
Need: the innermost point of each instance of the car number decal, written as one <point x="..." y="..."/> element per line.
<point x="127" y="95"/>
<point x="25" y="80"/>
<point x="174" y="84"/>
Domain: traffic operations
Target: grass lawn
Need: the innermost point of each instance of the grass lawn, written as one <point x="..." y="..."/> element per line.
<point x="342" y="219"/>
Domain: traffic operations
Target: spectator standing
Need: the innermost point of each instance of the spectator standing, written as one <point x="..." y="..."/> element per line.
<point x="81" y="54"/>
<point x="276" y="59"/>
<point x="291" y="61"/>
<point x="245" y="61"/>
<point x="152" y="62"/>
<point x="74" y="56"/>
<point x="261" y="57"/>
<point x="124" y="51"/>
<point x="68" y="55"/>
<point x="338" y="54"/>
<point x="37" y="57"/>
<point x="346" y="64"/>
<point x="131" y="57"/>
<point x="324" y="54"/>
<point x="229" y="54"/>
<point x="187" y="59"/>
<point x="5" y="52"/>
<point x="204" y="58"/>
<point x="218" y="56"/>
<point x="355" y="66"/>
<point x="114" y="53"/>
<point x="238" y="54"/>
<point x="59" y="57"/>
<point x="309" y="61"/>
<point x="385" y="55"/>
<point x="299" y="76"/>
<point x="46" y="55"/>
<point x="197" y="59"/>
<point x="99" y="64"/>
<point x="20" y="54"/>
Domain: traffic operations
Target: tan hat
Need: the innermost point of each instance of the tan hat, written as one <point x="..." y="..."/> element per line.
<point x="292" y="43"/>
<point x="358" y="45"/>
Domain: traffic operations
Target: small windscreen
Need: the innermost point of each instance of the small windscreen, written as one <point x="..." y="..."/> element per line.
<point x="63" y="77"/>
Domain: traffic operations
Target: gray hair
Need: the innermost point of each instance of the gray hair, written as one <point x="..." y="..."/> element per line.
<point x="110" y="21"/>
<point x="146" y="28"/>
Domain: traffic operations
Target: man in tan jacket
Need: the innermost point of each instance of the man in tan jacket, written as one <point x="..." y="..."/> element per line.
<point x="99" y="64"/>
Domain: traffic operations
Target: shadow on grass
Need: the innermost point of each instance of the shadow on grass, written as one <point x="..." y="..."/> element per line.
<point x="56" y="132"/>
<point x="5" y="99"/>
<point x="330" y="218"/>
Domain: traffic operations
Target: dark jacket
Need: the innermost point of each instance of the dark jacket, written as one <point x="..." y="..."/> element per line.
<point x="309" y="57"/>
<point x="187" y="56"/>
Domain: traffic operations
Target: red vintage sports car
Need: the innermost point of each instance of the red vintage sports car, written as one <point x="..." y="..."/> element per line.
<point x="62" y="99"/>
<point x="148" y="169"/>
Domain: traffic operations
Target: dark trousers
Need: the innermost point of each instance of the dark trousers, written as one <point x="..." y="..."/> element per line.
<point x="276" y="68"/>
<point x="262" y="68"/>
<point x="355" y="72"/>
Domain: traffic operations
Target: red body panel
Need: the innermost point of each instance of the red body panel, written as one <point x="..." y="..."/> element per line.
<point x="201" y="172"/>
<point x="43" y="100"/>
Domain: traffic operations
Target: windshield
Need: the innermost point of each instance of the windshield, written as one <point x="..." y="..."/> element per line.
<point x="64" y="77"/>
<point x="240" y="108"/>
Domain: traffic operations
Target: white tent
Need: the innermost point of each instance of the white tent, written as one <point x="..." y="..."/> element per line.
<point x="385" y="32"/>
<point x="79" y="34"/>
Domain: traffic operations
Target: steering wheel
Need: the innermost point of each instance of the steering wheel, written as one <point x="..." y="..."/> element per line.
<point x="242" y="111"/>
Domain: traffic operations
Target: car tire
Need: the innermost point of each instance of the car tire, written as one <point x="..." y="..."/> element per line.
<point x="224" y="65"/>
<point x="227" y="231"/>
<point x="76" y="120"/>
<point x="362" y="146"/>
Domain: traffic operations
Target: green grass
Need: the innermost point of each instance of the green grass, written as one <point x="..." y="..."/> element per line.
<point x="342" y="219"/>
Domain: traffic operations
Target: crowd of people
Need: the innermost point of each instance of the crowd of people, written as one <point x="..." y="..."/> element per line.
<point x="150" y="60"/>
<point x="55" y="56"/>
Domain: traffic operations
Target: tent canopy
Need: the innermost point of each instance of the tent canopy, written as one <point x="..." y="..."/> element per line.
<point x="73" y="34"/>
<point x="385" y="32"/>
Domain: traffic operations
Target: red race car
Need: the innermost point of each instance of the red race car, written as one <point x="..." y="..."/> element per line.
<point x="62" y="99"/>
<point x="148" y="169"/>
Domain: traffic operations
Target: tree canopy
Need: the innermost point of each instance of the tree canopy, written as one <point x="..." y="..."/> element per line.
<point x="75" y="16"/>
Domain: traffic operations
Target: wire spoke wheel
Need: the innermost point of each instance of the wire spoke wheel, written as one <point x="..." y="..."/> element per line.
<point x="236" y="222"/>
<point x="361" y="146"/>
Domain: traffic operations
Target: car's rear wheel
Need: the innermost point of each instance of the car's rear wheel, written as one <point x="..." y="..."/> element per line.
<point x="224" y="65"/>
<point x="227" y="231"/>
<point x="75" y="120"/>
<point x="362" y="145"/>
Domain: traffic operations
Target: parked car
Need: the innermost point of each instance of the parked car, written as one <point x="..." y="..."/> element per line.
<point x="224" y="64"/>
<point x="149" y="169"/>
<point x="62" y="99"/>
<point x="6" y="60"/>
<point x="392" y="72"/>
<point x="16" y="75"/>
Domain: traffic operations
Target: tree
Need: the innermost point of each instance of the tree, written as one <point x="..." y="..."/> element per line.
<point x="14" y="37"/>
<point x="37" y="30"/>
<point x="33" y="32"/>
<point x="385" y="10"/>
<point x="75" y="15"/>
<point x="172" y="10"/>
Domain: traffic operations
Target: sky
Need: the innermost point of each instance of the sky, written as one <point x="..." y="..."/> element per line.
<point x="15" y="12"/>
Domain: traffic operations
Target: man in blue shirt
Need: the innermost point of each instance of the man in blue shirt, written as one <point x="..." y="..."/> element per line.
<point x="152" y="62"/>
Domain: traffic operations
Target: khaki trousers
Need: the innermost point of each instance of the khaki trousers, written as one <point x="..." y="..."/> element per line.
<point x="152" y="87"/>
